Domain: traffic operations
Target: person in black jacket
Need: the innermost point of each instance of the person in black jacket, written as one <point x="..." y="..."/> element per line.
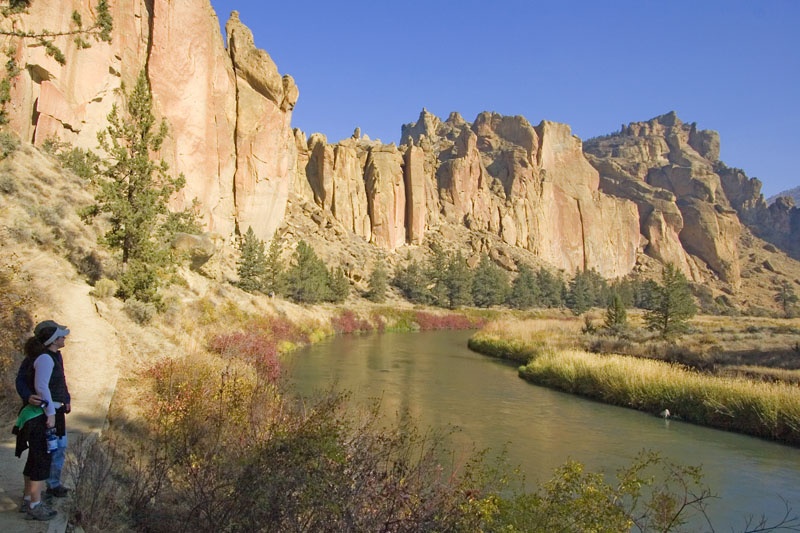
<point x="53" y="393"/>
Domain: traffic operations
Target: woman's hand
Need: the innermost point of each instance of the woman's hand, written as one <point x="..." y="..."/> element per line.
<point x="51" y="421"/>
<point x="35" y="400"/>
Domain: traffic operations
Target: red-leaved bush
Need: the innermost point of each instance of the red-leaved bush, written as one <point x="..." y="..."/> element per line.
<point x="255" y="347"/>
<point x="430" y="321"/>
<point x="258" y="344"/>
<point x="349" y="322"/>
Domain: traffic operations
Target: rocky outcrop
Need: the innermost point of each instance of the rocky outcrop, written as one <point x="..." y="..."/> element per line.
<point x="266" y="155"/>
<point x="668" y="169"/>
<point x="229" y="112"/>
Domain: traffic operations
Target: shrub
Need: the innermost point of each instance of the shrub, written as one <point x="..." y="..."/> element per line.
<point x="260" y="343"/>
<point x="88" y="264"/>
<point x="348" y="322"/>
<point x="378" y="284"/>
<point x="105" y="288"/>
<point x="140" y="312"/>
<point x="8" y="144"/>
<point x="8" y="184"/>
<point x="223" y="451"/>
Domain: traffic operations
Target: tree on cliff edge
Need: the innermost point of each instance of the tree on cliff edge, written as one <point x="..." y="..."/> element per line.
<point x="673" y="304"/>
<point x="134" y="191"/>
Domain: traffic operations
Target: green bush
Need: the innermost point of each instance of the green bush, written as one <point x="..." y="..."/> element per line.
<point x="105" y="288"/>
<point x="140" y="312"/>
<point x="8" y="184"/>
<point x="8" y="144"/>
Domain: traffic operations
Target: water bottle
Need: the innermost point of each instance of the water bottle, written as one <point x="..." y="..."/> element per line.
<point x="52" y="440"/>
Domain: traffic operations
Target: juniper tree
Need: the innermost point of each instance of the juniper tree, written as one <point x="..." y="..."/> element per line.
<point x="275" y="277"/>
<point x="458" y="282"/>
<point x="338" y="286"/>
<point x="378" y="280"/>
<point x="134" y="191"/>
<point x="616" y="318"/>
<point x="307" y="278"/>
<point x="489" y="284"/>
<point x="673" y="304"/>
<point x="436" y="275"/>
<point x="524" y="289"/>
<point x="412" y="282"/>
<point x="579" y="297"/>
<point x="551" y="288"/>
<point x="252" y="264"/>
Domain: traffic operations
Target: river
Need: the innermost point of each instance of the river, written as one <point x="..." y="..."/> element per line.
<point x="436" y="379"/>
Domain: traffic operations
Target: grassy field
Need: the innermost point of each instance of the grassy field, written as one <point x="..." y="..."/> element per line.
<point x="763" y="401"/>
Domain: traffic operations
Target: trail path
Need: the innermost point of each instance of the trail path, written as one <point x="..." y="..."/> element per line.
<point x="91" y="358"/>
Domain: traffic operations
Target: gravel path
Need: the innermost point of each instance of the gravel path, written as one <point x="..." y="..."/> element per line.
<point x="91" y="359"/>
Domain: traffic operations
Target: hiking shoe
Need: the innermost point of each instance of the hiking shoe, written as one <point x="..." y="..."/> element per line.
<point x="23" y="507"/>
<point x="40" y="512"/>
<point x="59" y="492"/>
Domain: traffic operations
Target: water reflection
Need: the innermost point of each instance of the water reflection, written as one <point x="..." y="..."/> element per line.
<point x="436" y="380"/>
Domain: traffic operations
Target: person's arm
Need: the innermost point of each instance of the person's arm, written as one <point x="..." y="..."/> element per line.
<point x="41" y="382"/>
<point x="24" y="391"/>
<point x="68" y="402"/>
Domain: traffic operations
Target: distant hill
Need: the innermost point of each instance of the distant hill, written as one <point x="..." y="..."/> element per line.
<point x="791" y="193"/>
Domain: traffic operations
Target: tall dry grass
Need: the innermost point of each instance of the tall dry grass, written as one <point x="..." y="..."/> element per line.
<point x="519" y="340"/>
<point x="768" y="410"/>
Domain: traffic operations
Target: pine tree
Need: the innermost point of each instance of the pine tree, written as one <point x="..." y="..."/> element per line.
<point x="551" y="289"/>
<point x="338" y="286"/>
<point x="436" y="272"/>
<point x="458" y="282"/>
<point x="579" y="297"/>
<point x="307" y="278"/>
<point x="252" y="265"/>
<point x="274" y="277"/>
<point x="489" y="284"/>
<point x="378" y="281"/>
<point x="412" y="282"/>
<point x="674" y="304"/>
<point x="524" y="290"/>
<point x="134" y="191"/>
<point x="616" y="318"/>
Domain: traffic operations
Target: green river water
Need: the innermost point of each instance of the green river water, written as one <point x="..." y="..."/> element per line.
<point x="437" y="380"/>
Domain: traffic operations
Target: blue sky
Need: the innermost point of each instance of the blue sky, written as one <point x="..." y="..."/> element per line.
<point x="729" y="65"/>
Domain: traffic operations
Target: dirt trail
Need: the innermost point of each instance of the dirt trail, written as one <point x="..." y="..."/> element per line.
<point x="91" y="361"/>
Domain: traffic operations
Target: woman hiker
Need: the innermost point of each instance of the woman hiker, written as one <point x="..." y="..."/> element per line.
<point x="41" y="381"/>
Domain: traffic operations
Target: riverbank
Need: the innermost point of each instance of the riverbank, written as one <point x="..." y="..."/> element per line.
<point x="769" y="410"/>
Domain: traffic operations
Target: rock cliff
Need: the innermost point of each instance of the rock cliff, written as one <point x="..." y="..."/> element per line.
<point x="228" y="108"/>
<point x="498" y="186"/>
<point x="692" y="206"/>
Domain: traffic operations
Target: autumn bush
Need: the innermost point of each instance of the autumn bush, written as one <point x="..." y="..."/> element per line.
<point x="349" y="322"/>
<point x="260" y="343"/>
<point x="436" y="321"/>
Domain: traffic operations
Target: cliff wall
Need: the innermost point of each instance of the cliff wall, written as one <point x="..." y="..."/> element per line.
<point x="656" y="190"/>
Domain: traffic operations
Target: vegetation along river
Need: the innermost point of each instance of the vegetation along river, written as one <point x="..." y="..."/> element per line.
<point x="436" y="379"/>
